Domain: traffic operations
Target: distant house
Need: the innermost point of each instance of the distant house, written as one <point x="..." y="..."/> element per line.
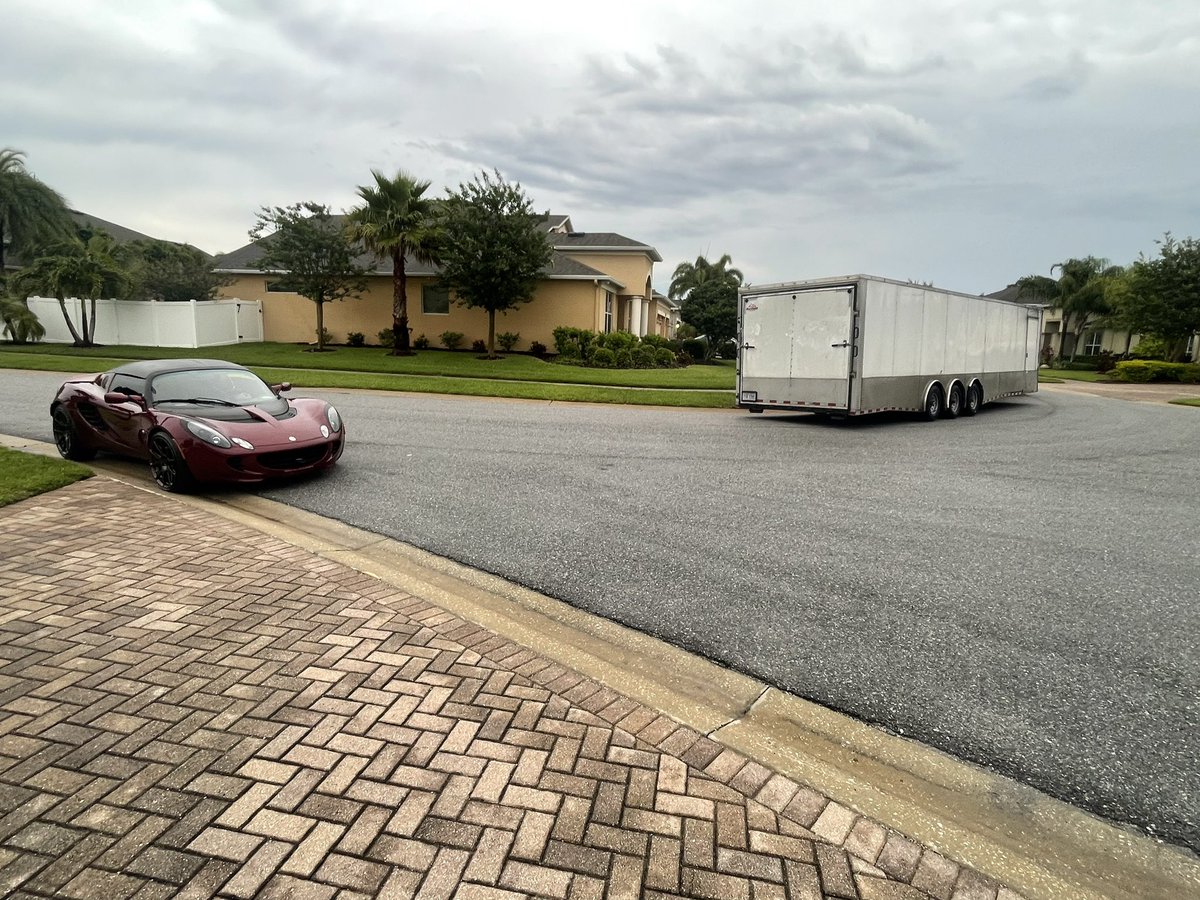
<point x="596" y="280"/>
<point x="118" y="233"/>
<point x="1093" y="340"/>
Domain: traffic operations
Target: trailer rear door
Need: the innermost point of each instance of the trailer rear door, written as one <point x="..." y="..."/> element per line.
<point x="797" y="348"/>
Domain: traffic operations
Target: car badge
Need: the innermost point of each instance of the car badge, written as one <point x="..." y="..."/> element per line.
<point x="291" y="437"/>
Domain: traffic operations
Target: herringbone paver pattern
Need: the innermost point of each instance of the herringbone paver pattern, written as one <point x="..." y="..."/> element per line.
<point x="190" y="709"/>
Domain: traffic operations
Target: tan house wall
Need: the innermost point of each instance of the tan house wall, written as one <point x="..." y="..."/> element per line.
<point x="290" y="318"/>
<point x="633" y="270"/>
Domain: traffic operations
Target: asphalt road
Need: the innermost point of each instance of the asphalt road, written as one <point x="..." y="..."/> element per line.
<point x="1018" y="589"/>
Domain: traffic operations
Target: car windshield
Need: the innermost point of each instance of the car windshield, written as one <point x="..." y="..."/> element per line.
<point x="219" y="387"/>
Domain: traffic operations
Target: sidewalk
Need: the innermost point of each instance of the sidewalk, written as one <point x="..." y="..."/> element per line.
<point x="191" y="709"/>
<point x="1142" y="393"/>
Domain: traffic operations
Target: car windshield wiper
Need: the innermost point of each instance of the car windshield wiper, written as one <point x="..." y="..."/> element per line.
<point x="202" y="400"/>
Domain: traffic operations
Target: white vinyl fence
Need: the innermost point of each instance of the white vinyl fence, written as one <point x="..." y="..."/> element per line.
<point x="196" y="323"/>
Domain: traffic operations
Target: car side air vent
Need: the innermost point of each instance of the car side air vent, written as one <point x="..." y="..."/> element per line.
<point x="91" y="415"/>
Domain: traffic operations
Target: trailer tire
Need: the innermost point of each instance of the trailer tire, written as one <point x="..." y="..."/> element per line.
<point x="934" y="403"/>
<point x="955" y="402"/>
<point x="974" y="400"/>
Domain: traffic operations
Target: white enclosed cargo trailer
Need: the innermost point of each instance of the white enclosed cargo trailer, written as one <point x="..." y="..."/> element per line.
<point x="861" y="344"/>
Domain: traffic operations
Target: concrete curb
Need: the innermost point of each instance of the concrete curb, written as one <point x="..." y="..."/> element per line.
<point x="1033" y="843"/>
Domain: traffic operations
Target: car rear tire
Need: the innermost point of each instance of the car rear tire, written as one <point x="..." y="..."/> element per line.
<point x="974" y="400"/>
<point x="66" y="437"/>
<point x="934" y="404"/>
<point x="167" y="465"/>
<point x="955" y="403"/>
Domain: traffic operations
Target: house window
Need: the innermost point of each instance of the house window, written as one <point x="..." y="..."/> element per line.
<point x="435" y="301"/>
<point x="608" y="312"/>
<point x="278" y="287"/>
<point x="1093" y="344"/>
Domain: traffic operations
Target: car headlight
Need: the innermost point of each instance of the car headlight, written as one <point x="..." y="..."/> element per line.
<point x="335" y="420"/>
<point x="207" y="434"/>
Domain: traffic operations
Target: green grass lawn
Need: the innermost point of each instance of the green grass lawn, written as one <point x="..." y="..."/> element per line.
<point x="514" y="367"/>
<point x="1072" y="375"/>
<point x="1187" y="401"/>
<point x="435" y="384"/>
<point x="26" y="475"/>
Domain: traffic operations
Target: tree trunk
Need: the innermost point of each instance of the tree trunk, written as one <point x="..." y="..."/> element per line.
<point x="400" y="343"/>
<point x="491" y="354"/>
<point x="3" y="275"/>
<point x="1128" y="341"/>
<point x="91" y="334"/>
<point x="62" y="304"/>
<point x="320" y="324"/>
<point x="1062" y="338"/>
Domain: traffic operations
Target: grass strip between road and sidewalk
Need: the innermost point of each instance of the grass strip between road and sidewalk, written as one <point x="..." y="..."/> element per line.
<point x="1186" y="401"/>
<point x="431" y="384"/>
<point x="24" y="475"/>
<point x="444" y="363"/>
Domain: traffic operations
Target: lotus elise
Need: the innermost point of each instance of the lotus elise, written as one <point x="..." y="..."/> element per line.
<point x="196" y="420"/>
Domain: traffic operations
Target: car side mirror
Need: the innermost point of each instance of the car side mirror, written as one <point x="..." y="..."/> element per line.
<point x="121" y="397"/>
<point x="282" y="388"/>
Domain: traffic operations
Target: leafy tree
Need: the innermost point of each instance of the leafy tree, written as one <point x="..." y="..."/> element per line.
<point x="711" y="307"/>
<point x="313" y="254"/>
<point x="690" y="275"/>
<point x="1164" y="297"/>
<point x="86" y="267"/>
<point x="161" y="270"/>
<point x="495" y="255"/>
<point x="1080" y="291"/>
<point x="396" y="220"/>
<point x="31" y="212"/>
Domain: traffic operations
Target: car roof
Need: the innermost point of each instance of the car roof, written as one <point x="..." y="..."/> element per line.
<point x="148" y="368"/>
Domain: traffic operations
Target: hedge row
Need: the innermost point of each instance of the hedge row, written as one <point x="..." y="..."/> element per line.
<point x="1141" y="371"/>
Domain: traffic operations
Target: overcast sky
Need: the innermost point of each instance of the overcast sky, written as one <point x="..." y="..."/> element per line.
<point x="963" y="143"/>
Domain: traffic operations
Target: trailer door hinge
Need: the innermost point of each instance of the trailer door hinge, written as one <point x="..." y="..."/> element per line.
<point x="842" y="344"/>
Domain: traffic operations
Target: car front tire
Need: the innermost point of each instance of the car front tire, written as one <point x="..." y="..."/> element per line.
<point x="167" y="465"/>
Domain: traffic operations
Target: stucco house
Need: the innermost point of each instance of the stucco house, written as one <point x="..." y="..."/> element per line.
<point x="1094" y="339"/>
<point x="596" y="280"/>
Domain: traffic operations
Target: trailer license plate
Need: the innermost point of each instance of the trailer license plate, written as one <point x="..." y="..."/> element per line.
<point x="750" y="395"/>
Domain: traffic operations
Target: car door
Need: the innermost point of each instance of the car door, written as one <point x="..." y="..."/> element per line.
<point x="126" y="422"/>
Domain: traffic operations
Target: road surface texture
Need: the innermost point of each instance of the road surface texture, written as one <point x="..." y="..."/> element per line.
<point x="1018" y="589"/>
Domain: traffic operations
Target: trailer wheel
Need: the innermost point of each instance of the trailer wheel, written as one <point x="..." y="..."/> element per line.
<point x="973" y="401"/>
<point x="954" y="405"/>
<point x="933" y="403"/>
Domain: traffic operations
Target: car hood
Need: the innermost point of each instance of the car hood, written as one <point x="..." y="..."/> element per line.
<point x="260" y="428"/>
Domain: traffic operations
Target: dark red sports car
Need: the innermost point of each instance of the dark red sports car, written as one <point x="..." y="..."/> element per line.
<point x="196" y="420"/>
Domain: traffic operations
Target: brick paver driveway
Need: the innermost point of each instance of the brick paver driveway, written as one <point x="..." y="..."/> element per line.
<point x="190" y="708"/>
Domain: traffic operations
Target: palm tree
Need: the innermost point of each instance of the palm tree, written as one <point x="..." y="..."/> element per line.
<point x="20" y="322"/>
<point x="1080" y="291"/>
<point x="83" y="267"/>
<point x="688" y="275"/>
<point x="396" y="220"/>
<point x="31" y="212"/>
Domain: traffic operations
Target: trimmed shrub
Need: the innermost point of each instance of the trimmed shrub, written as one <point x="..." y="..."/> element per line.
<point x="538" y="349"/>
<point x="451" y="340"/>
<point x="664" y="357"/>
<point x="616" y="341"/>
<point x="356" y="339"/>
<point x="421" y="343"/>
<point x="683" y="358"/>
<point x="1105" y="362"/>
<point x="603" y="358"/>
<point x="728" y="350"/>
<point x="507" y="340"/>
<point x="1149" y="348"/>
<point x="695" y="348"/>
<point x="479" y="346"/>
<point x="624" y="358"/>
<point x="655" y="340"/>
<point x="387" y="338"/>
<point x="574" y="343"/>
<point x="643" y="357"/>
<point x="1141" y="371"/>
